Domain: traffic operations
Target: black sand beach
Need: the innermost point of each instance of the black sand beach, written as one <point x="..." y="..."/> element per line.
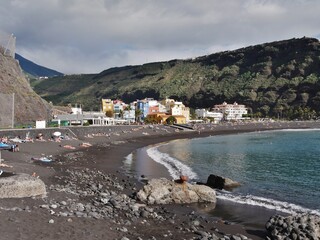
<point x="77" y="176"/>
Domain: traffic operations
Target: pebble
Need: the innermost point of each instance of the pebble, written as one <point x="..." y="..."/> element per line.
<point x="298" y="226"/>
<point x="51" y="221"/>
<point x="202" y="233"/>
<point x="53" y="206"/>
<point x="124" y="211"/>
<point x="195" y="223"/>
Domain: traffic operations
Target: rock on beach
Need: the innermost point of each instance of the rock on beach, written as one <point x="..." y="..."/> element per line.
<point x="21" y="185"/>
<point x="164" y="191"/>
<point x="218" y="182"/>
<point x="300" y="226"/>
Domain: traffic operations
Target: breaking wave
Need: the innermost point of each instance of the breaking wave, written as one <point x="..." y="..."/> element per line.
<point x="174" y="166"/>
<point x="267" y="203"/>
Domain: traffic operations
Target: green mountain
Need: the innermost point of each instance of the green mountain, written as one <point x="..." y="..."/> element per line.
<point x="34" y="70"/>
<point x="273" y="79"/>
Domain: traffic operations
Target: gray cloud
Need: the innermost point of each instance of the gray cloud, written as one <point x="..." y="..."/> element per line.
<point x="82" y="36"/>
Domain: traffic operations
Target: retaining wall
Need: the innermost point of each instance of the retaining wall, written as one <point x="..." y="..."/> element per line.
<point x="79" y="131"/>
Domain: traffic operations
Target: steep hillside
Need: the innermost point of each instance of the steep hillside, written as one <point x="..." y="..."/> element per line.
<point x="34" y="70"/>
<point x="278" y="78"/>
<point x="29" y="106"/>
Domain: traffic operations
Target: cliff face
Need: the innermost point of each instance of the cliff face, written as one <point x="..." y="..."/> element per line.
<point x="28" y="106"/>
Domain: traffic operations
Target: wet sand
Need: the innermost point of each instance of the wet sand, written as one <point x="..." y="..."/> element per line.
<point x="25" y="219"/>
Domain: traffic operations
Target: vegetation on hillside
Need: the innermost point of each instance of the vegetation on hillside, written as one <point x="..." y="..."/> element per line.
<point x="33" y="70"/>
<point x="278" y="79"/>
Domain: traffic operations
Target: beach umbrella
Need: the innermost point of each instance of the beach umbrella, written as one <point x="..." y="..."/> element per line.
<point x="56" y="134"/>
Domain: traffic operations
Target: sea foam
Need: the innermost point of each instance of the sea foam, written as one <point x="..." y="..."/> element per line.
<point x="174" y="166"/>
<point x="271" y="204"/>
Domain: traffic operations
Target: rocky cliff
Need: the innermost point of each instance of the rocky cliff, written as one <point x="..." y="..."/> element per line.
<point x="28" y="106"/>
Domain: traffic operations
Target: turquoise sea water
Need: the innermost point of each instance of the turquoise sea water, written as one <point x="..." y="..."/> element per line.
<point x="277" y="169"/>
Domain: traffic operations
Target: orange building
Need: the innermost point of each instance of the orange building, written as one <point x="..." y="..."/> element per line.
<point x="161" y="118"/>
<point x="157" y="118"/>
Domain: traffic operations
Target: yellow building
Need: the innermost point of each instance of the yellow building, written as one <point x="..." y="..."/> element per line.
<point x="107" y="107"/>
<point x="162" y="117"/>
<point x="181" y="119"/>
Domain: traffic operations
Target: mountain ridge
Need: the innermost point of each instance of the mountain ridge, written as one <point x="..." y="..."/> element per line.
<point x="272" y="79"/>
<point x="35" y="70"/>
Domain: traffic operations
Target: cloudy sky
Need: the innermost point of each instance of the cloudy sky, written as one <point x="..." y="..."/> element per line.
<point x="88" y="36"/>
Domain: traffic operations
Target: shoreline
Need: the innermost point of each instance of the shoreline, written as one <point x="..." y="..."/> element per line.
<point x="107" y="155"/>
<point x="241" y="213"/>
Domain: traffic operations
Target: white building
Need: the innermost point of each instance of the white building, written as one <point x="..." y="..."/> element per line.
<point x="176" y="108"/>
<point x="76" y="109"/>
<point x="204" y="113"/>
<point x="162" y="108"/>
<point x="93" y="118"/>
<point x="129" y="115"/>
<point x="118" y="108"/>
<point x="233" y="111"/>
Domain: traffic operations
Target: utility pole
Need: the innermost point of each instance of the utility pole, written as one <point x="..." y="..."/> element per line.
<point x="12" y="110"/>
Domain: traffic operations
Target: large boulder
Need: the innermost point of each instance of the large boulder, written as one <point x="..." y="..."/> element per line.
<point x="300" y="226"/>
<point x="21" y="185"/>
<point x="164" y="191"/>
<point x="218" y="182"/>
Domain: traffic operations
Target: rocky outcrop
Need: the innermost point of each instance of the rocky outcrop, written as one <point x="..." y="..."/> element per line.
<point x="301" y="226"/>
<point x="28" y="106"/>
<point x="218" y="182"/>
<point x="164" y="191"/>
<point x="21" y="185"/>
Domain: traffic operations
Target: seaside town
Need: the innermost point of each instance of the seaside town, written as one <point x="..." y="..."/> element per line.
<point x="149" y="111"/>
<point x="159" y="120"/>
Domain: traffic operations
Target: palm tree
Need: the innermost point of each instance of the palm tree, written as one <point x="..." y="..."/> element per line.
<point x="138" y="113"/>
<point x="127" y="108"/>
<point x="121" y="113"/>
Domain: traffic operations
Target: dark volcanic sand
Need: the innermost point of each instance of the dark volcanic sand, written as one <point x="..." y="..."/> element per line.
<point x="24" y="219"/>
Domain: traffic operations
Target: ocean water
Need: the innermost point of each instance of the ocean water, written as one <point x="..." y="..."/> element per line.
<point x="278" y="170"/>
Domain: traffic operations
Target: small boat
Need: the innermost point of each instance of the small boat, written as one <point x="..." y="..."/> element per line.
<point x="42" y="159"/>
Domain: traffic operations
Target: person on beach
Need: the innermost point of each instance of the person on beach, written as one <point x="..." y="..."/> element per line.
<point x="15" y="148"/>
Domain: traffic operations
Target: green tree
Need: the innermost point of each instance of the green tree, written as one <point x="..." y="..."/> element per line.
<point x="109" y="114"/>
<point x="193" y="114"/>
<point x="171" y="120"/>
<point x="127" y="108"/>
